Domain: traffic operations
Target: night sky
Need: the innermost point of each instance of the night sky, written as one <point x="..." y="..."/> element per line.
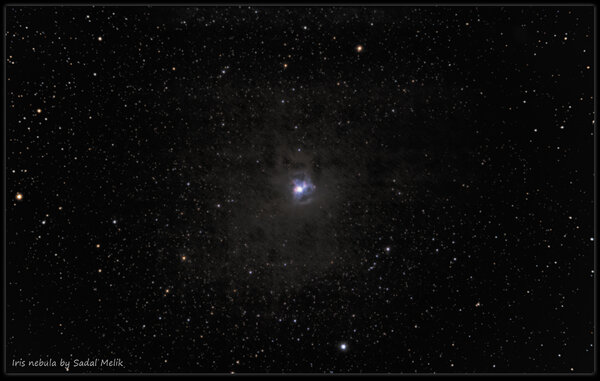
<point x="300" y="189"/>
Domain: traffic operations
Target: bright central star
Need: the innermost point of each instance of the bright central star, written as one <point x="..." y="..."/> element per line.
<point x="302" y="189"/>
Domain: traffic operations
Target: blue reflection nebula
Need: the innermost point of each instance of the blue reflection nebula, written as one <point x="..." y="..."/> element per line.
<point x="302" y="189"/>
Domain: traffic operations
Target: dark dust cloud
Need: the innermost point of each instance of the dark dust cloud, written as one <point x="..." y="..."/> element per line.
<point x="300" y="189"/>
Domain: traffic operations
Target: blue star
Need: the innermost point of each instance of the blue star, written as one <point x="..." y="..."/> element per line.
<point x="302" y="189"/>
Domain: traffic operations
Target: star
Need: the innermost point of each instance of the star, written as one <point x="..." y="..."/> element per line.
<point x="359" y="48"/>
<point x="19" y="196"/>
<point x="343" y="346"/>
<point x="302" y="189"/>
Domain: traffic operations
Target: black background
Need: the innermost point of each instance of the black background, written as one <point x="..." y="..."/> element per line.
<point x="451" y="225"/>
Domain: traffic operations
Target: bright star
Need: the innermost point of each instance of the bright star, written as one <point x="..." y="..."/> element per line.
<point x="343" y="346"/>
<point x="302" y="189"/>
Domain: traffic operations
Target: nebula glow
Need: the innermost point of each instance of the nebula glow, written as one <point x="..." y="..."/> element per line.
<point x="303" y="189"/>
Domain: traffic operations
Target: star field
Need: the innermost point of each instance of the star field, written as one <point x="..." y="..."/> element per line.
<point x="300" y="189"/>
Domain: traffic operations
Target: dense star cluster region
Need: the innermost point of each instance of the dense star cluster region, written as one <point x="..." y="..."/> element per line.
<point x="300" y="189"/>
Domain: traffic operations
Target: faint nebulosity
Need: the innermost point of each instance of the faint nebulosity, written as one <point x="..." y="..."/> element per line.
<point x="300" y="189"/>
